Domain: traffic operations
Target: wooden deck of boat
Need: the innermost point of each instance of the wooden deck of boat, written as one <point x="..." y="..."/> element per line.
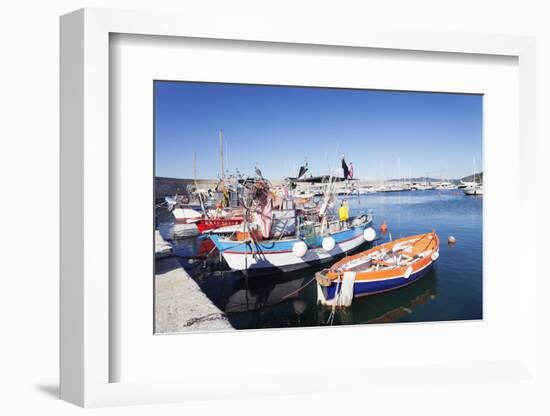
<point x="406" y="251"/>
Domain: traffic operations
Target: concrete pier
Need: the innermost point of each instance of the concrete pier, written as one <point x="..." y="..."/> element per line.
<point x="180" y="305"/>
<point x="162" y="247"/>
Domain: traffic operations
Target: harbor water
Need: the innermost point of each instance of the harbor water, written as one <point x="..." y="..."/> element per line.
<point x="452" y="290"/>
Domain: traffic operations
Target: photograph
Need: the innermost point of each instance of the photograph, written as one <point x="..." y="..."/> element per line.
<point x="290" y="206"/>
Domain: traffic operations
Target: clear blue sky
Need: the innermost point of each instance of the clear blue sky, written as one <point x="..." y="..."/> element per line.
<point x="278" y="127"/>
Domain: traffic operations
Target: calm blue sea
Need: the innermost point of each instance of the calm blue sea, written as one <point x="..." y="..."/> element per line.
<point x="451" y="291"/>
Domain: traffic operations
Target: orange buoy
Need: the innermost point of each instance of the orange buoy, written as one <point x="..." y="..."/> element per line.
<point x="384" y="227"/>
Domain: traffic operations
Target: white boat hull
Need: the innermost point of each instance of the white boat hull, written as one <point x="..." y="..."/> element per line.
<point x="287" y="260"/>
<point x="183" y="230"/>
<point x="473" y="191"/>
<point x="186" y="215"/>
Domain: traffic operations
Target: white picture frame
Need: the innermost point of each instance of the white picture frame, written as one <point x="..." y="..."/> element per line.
<point x="86" y="355"/>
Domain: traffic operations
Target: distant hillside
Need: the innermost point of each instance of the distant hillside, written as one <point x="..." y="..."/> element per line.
<point x="421" y="179"/>
<point x="470" y="178"/>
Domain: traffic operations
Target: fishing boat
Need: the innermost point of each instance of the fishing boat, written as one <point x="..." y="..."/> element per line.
<point x="304" y="234"/>
<point x="282" y="232"/>
<point x="217" y="208"/>
<point x="207" y="224"/>
<point x="246" y="251"/>
<point x="207" y="220"/>
<point x="186" y="215"/>
<point x="383" y="268"/>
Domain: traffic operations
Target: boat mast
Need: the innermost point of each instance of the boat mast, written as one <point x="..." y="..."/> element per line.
<point x="221" y="155"/>
<point x="328" y="194"/>
<point x="399" y="171"/>
<point x="196" y="186"/>
<point x="195" y="168"/>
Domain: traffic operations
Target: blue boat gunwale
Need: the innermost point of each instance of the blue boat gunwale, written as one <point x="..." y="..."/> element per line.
<point x="284" y="246"/>
<point x="331" y="290"/>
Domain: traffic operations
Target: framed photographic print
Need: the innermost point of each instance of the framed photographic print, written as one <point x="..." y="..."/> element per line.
<point x="311" y="199"/>
<point x="268" y="237"/>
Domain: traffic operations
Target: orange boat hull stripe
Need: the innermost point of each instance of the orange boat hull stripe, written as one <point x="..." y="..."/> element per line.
<point x="431" y="244"/>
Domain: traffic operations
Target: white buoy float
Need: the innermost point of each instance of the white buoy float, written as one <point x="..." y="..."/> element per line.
<point x="451" y="240"/>
<point x="299" y="249"/>
<point x="369" y="234"/>
<point x="328" y="243"/>
<point x="408" y="272"/>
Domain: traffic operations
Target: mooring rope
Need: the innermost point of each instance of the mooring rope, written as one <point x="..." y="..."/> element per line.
<point x="336" y="298"/>
<point x="216" y="316"/>
<point x="299" y="289"/>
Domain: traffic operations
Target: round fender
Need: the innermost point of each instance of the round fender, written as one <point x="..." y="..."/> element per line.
<point x="408" y="272"/>
<point x="435" y="255"/>
<point x="299" y="249"/>
<point x="328" y="243"/>
<point x="369" y="234"/>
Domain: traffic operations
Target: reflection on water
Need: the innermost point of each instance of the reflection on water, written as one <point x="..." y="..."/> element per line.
<point x="450" y="291"/>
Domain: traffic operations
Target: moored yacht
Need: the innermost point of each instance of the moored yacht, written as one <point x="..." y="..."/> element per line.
<point x="477" y="189"/>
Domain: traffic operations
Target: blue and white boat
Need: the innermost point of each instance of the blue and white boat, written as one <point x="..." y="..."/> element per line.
<point x="312" y="244"/>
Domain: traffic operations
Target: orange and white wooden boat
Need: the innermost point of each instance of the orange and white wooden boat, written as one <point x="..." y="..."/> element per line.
<point x="386" y="267"/>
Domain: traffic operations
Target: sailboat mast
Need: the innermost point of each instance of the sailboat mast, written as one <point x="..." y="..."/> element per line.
<point x="199" y="195"/>
<point x="221" y="155"/>
<point x="399" y="171"/>
<point x="195" y="168"/>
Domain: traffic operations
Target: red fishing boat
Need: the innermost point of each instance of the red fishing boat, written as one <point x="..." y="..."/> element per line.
<point x="213" y="220"/>
<point x="206" y="224"/>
